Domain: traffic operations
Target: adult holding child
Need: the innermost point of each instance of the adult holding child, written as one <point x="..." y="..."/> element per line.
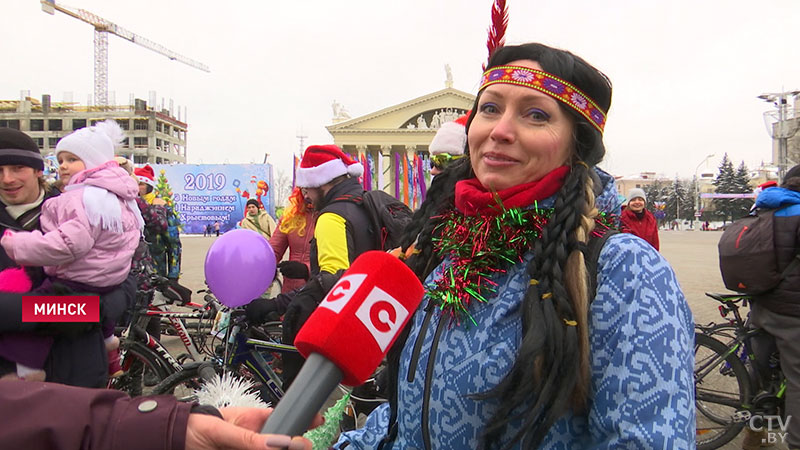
<point x="87" y="239"/>
<point x="519" y="343"/>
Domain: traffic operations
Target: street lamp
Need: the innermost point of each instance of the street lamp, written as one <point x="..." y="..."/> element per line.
<point x="697" y="188"/>
<point x="783" y="128"/>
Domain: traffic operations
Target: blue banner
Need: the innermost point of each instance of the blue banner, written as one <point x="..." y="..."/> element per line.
<point x="206" y="193"/>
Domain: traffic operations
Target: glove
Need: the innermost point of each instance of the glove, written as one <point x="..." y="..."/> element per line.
<point x="259" y="309"/>
<point x="293" y="269"/>
<point x="297" y="314"/>
<point x="15" y="279"/>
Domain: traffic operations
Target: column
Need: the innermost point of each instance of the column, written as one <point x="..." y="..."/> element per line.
<point x="386" y="170"/>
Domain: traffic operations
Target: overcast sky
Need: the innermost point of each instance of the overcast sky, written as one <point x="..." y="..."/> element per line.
<point x="686" y="73"/>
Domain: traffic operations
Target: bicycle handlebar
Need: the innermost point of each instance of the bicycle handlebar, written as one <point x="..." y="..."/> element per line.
<point x="206" y="371"/>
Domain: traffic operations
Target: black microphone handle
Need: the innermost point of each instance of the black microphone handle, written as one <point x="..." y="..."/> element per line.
<point x="310" y="389"/>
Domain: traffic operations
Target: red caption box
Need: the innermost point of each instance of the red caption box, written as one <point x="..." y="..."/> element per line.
<point x="61" y="308"/>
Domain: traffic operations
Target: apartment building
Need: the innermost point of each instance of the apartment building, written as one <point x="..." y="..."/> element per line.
<point x="153" y="136"/>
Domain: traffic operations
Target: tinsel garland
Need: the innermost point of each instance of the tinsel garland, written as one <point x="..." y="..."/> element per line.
<point x="482" y="246"/>
<point x="325" y="435"/>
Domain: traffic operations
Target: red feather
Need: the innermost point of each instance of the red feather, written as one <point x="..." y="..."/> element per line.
<point x="497" y="32"/>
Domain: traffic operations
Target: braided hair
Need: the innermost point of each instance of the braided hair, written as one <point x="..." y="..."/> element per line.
<point x="546" y="379"/>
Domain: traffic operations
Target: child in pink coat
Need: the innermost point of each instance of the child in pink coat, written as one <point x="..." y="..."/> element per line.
<point x="89" y="234"/>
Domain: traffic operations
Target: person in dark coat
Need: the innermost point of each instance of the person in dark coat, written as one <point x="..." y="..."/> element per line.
<point x="778" y="311"/>
<point x="326" y="176"/>
<point x="637" y="220"/>
<point x="77" y="356"/>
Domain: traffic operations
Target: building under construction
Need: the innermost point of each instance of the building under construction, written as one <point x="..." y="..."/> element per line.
<point x="153" y="136"/>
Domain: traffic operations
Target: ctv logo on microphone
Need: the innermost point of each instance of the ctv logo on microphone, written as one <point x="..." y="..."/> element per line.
<point x="342" y="292"/>
<point x="382" y="315"/>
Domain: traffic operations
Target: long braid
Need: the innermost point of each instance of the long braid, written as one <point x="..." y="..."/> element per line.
<point x="419" y="232"/>
<point x="577" y="278"/>
<point x="439" y="197"/>
<point x="546" y="373"/>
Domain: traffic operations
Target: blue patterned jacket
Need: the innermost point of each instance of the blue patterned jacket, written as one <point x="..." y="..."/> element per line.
<point x="641" y="337"/>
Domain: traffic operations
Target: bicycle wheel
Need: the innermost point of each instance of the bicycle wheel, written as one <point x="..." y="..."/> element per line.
<point x="182" y="384"/>
<point x="722" y="388"/>
<point x="142" y="368"/>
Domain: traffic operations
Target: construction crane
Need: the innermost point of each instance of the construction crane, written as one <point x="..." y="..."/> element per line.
<point x="102" y="28"/>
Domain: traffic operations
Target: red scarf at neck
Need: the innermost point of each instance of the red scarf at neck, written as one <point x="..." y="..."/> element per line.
<point x="473" y="199"/>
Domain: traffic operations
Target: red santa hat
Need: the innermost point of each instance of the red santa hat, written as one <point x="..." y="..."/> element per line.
<point x="323" y="163"/>
<point x="145" y="175"/>
<point x="451" y="137"/>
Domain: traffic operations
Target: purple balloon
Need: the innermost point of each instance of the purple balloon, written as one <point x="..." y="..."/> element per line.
<point x="239" y="267"/>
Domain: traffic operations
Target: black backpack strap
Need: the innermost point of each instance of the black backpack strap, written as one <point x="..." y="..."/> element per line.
<point x="591" y="255"/>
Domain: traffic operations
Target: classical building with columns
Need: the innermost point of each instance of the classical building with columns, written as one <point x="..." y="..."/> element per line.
<point x="393" y="143"/>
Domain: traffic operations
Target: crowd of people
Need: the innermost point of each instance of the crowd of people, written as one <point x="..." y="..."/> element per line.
<point x="87" y="239"/>
<point x="524" y="337"/>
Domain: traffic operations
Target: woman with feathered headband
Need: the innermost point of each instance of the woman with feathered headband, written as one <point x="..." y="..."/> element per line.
<point x="522" y="341"/>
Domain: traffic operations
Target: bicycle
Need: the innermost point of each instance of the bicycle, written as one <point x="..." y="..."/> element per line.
<point x="141" y="355"/>
<point x="738" y="379"/>
<point x="248" y="352"/>
<point x="253" y="353"/>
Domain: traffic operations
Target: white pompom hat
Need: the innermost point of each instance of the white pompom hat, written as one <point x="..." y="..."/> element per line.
<point x="94" y="145"/>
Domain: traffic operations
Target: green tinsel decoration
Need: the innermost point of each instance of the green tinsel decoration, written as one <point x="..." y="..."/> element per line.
<point x="325" y="435"/>
<point x="479" y="247"/>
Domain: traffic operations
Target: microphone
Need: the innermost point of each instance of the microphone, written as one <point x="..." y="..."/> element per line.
<point x="347" y="336"/>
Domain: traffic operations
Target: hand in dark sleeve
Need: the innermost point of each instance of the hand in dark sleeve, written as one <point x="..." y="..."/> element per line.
<point x="262" y="310"/>
<point x="47" y="415"/>
<point x="293" y="269"/>
<point x="297" y="314"/>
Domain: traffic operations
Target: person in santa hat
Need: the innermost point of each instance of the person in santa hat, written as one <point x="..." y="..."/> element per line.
<point x="147" y="185"/>
<point x="325" y="175"/>
<point x="448" y="144"/>
<point x="165" y="246"/>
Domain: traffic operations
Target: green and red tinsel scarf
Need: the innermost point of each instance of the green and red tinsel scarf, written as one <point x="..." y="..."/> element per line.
<point x="481" y="246"/>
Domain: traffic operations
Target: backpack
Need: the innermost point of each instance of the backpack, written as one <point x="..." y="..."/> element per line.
<point x="387" y="215"/>
<point x="747" y="254"/>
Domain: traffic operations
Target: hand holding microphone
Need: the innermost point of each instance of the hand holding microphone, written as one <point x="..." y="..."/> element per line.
<point x="347" y="336"/>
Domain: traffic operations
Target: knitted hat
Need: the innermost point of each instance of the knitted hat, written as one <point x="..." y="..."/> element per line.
<point x="252" y="201"/>
<point x="451" y="137"/>
<point x="323" y="163"/>
<point x="145" y="175"/>
<point x="636" y="193"/>
<point x="94" y="145"/>
<point x="18" y="149"/>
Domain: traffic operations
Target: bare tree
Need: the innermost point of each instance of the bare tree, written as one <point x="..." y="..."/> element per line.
<point x="283" y="187"/>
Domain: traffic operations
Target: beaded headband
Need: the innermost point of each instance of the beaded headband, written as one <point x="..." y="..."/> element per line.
<point x="550" y="85"/>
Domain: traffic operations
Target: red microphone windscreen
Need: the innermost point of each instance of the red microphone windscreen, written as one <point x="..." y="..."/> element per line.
<point x="357" y="322"/>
